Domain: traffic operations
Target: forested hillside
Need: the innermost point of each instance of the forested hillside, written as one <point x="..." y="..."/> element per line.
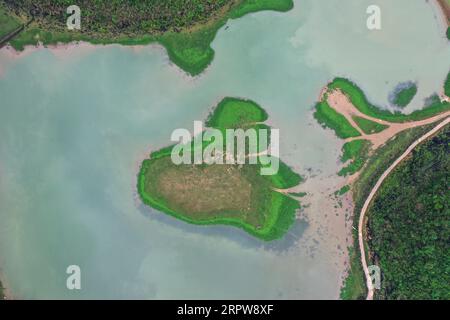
<point x="121" y="16"/>
<point x="409" y="225"/>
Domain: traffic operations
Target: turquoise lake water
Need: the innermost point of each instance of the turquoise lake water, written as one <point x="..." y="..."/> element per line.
<point x="76" y="123"/>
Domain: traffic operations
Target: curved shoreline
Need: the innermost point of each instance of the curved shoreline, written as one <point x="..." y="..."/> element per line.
<point x="190" y="48"/>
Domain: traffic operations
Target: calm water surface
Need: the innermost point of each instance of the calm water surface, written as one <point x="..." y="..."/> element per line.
<point x="75" y="125"/>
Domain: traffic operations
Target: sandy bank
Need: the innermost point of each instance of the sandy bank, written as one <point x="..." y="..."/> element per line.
<point x="445" y="8"/>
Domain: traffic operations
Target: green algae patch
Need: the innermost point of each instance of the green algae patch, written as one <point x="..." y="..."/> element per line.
<point x="330" y="118"/>
<point x="447" y="85"/>
<point x="356" y="152"/>
<point x="222" y="194"/>
<point x="250" y="6"/>
<point x="360" y="101"/>
<point x="404" y="94"/>
<point x="343" y="190"/>
<point x="298" y="194"/>
<point x="368" y="126"/>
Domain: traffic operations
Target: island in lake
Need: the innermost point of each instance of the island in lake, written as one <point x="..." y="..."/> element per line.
<point x="227" y="194"/>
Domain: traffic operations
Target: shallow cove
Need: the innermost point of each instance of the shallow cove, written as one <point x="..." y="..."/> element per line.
<point x="76" y="123"/>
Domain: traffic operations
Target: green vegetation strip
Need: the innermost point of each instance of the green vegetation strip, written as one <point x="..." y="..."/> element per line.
<point x="368" y="126"/>
<point x="343" y="190"/>
<point x="359" y="100"/>
<point x="234" y="195"/>
<point x="185" y="29"/>
<point x="409" y="225"/>
<point x="447" y="85"/>
<point x="330" y="118"/>
<point x="357" y="152"/>
<point x="298" y="194"/>
<point x="354" y="285"/>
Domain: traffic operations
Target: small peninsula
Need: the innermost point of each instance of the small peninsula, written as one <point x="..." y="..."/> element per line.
<point x="373" y="139"/>
<point x="223" y="194"/>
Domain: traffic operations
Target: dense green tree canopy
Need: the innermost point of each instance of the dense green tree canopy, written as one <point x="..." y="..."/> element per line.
<point x="114" y="16"/>
<point x="409" y="225"/>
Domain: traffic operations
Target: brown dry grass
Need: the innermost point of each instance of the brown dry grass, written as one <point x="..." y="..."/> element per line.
<point x="205" y="191"/>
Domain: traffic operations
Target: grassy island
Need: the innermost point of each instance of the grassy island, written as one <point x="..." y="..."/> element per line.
<point x="185" y="28"/>
<point x="404" y="93"/>
<point x="225" y="194"/>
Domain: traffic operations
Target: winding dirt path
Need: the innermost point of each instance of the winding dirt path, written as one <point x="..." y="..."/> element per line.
<point x="362" y="220"/>
<point x="340" y="102"/>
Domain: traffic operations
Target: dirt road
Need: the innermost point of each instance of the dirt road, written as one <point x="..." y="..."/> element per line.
<point x="361" y="224"/>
